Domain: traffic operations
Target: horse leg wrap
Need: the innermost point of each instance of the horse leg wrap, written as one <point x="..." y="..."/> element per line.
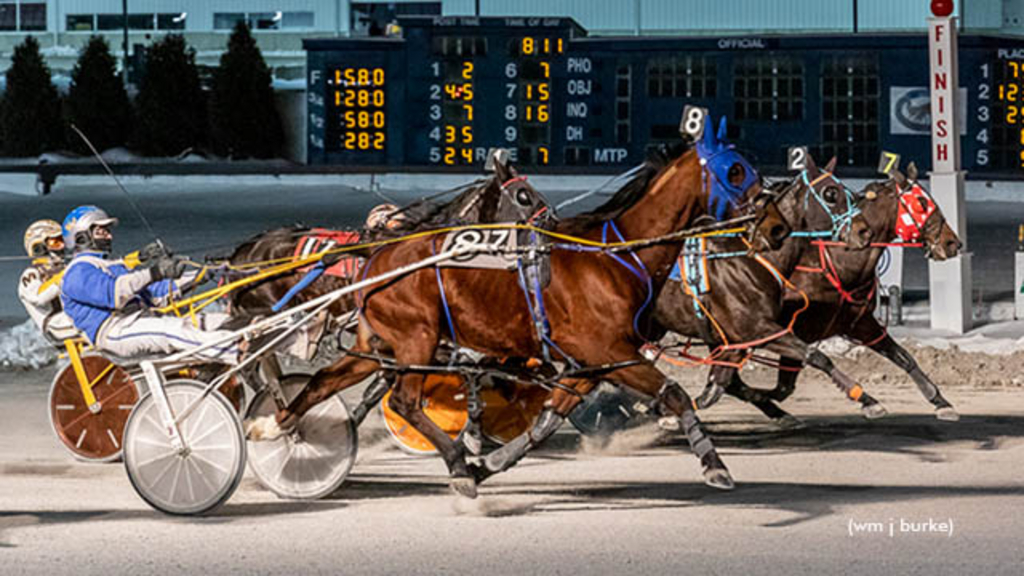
<point x="900" y="357"/>
<point x="849" y="387"/>
<point x="371" y="397"/>
<point x="505" y="457"/>
<point x="699" y="442"/>
<point x="713" y="391"/>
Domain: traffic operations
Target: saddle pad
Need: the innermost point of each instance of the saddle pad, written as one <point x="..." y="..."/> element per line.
<point x="694" y="261"/>
<point x="320" y="240"/>
<point x="489" y="241"/>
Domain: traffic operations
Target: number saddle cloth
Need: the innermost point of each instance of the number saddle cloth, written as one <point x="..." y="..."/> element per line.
<point x="321" y="240"/>
<point x="524" y="251"/>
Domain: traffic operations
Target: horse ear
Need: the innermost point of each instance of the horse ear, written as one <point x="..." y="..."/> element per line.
<point x="912" y="172"/>
<point x="723" y="129"/>
<point x="709" y="132"/>
<point x="501" y="170"/>
<point x="898" y="177"/>
<point x="811" y="166"/>
<point x="831" y="166"/>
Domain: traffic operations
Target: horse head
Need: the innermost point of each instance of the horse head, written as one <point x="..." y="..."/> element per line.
<point x="837" y="211"/>
<point x="901" y="208"/>
<point x="516" y="199"/>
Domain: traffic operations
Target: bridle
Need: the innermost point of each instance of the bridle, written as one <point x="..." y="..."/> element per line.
<point x="840" y="221"/>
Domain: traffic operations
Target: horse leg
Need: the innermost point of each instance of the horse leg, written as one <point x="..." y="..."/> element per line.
<point x="407" y="401"/>
<point x="789" y="371"/>
<point x="556" y="409"/>
<point x="719" y="376"/>
<point x="792" y="347"/>
<point x="899" y="356"/>
<point x="761" y="400"/>
<point x="323" y="385"/>
<point x="647" y="380"/>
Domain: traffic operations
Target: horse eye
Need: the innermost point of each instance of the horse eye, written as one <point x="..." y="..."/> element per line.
<point x="737" y="174"/>
<point x="523" y="198"/>
<point x="831" y="194"/>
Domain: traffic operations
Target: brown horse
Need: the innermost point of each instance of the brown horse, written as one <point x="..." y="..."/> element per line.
<point x="502" y="197"/>
<point x="591" y="303"/>
<point x="841" y="284"/>
<point x="733" y="301"/>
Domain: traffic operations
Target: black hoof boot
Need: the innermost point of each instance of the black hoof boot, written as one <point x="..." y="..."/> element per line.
<point x="716" y="474"/>
<point x="709" y="397"/>
<point x="464" y="486"/>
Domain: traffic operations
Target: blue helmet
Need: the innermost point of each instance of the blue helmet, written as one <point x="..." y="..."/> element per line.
<point x="78" y="224"/>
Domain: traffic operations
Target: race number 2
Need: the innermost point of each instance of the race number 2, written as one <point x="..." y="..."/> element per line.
<point x="692" y="124"/>
<point x="887" y="162"/>
<point x="796" y="158"/>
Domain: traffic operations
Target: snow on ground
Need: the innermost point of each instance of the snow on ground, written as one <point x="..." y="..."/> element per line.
<point x="22" y="347"/>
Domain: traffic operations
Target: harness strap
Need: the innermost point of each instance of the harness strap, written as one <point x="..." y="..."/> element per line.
<point x="640" y="271"/>
<point x="444" y="298"/>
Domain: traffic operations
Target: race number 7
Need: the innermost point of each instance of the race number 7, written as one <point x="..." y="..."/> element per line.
<point x="888" y="162"/>
<point x="692" y="123"/>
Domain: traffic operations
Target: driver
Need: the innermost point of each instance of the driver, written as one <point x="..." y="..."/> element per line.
<point x="38" y="288"/>
<point x="111" y="303"/>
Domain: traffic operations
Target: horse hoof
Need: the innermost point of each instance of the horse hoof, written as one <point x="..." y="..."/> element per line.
<point x="670" y="424"/>
<point x="874" y="411"/>
<point x="463" y="486"/>
<point x="719" y="478"/>
<point x="947" y="413"/>
<point x="264" y="428"/>
<point x="790" y="422"/>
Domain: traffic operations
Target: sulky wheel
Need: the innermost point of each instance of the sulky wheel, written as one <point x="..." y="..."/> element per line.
<point x="605" y="411"/>
<point x="92" y="435"/>
<point x="313" y="460"/>
<point x="510" y="409"/>
<point x="444" y="402"/>
<point x="203" y="475"/>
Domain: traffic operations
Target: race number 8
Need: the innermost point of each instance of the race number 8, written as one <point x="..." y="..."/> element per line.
<point x="692" y="124"/>
<point x="796" y="158"/>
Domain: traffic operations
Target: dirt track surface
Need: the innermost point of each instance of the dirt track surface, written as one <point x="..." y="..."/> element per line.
<point x="636" y="505"/>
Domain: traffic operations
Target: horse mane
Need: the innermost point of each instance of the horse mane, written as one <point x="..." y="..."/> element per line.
<point x="629" y="193"/>
<point x="426" y="214"/>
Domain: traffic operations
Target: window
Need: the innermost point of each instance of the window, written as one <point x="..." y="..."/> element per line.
<point x="850" y="96"/>
<point x="227" y="20"/>
<point x="109" y="22"/>
<point x="682" y="77"/>
<point x="81" y="22"/>
<point x="171" y="21"/>
<point x="297" y="20"/>
<point x="769" y="88"/>
<point x="372" y="18"/>
<point x="33" y="16"/>
<point x="8" y="16"/>
<point x="265" y="20"/>
<point x="140" y="22"/>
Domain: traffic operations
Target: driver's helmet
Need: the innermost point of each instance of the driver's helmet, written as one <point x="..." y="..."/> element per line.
<point x="383" y="216"/>
<point x="78" y="226"/>
<point x="39" y="239"/>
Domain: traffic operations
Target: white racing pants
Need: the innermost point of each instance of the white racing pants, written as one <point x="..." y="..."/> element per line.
<point x="137" y="334"/>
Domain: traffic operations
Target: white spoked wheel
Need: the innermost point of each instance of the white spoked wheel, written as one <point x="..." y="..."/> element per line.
<point x="313" y="460"/>
<point x="206" y="473"/>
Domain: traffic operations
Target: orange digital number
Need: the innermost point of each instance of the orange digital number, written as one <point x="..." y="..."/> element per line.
<point x="378" y="141"/>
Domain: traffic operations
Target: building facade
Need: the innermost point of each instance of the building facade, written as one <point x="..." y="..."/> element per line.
<point x="62" y="26"/>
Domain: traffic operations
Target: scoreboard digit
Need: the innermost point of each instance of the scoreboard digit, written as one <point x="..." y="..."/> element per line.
<point x="529" y="90"/>
<point x="359" y="95"/>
